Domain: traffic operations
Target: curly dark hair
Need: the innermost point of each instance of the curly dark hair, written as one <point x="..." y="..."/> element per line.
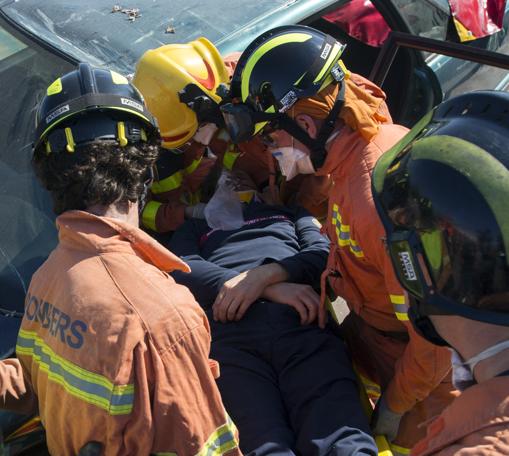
<point x="97" y="173"/>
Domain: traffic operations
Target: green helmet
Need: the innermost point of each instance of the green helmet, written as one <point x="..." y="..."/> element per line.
<point x="277" y="69"/>
<point x="442" y="194"/>
<point x="88" y="105"/>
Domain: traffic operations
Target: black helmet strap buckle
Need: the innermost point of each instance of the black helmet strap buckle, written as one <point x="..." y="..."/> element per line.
<point x="206" y="109"/>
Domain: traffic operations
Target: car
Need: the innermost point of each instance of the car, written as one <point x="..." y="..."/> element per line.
<point x="42" y="39"/>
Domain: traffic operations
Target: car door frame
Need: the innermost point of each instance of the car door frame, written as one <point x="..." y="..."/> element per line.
<point x="399" y="40"/>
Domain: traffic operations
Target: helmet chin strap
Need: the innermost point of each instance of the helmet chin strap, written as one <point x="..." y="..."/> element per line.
<point x="425" y="327"/>
<point x="315" y="145"/>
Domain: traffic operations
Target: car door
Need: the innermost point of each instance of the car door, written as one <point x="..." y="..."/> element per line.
<point x="403" y="45"/>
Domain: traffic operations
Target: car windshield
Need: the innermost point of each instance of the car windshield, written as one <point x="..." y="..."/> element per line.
<point x="115" y="36"/>
<point x="61" y="33"/>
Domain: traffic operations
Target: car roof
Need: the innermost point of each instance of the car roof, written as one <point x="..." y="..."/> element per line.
<point x="102" y="33"/>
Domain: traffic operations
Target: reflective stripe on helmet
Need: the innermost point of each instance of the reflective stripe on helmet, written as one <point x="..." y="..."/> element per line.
<point x="55" y="87"/>
<point x="262" y="50"/>
<point x="337" y="50"/>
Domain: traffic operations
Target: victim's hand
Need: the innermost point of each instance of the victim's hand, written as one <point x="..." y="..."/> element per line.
<point x="238" y="293"/>
<point x="301" y="297"/>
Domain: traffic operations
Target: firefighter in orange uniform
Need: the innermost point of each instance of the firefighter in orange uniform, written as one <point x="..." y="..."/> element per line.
<point x="180" y="85"/>
<point x="442" y="195"/>
<point x="291" y="87"/>
<point x="172" y="78"/>
<point x="113" y="353"/>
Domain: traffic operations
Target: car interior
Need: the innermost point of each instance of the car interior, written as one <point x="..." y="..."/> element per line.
<point x="402" y="84"/>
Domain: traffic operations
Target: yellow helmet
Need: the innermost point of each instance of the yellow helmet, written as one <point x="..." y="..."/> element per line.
<point x="163" y="72"/>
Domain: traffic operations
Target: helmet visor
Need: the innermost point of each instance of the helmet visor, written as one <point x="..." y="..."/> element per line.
<point x="449" y="258"/>
<point x="242" y="122"/>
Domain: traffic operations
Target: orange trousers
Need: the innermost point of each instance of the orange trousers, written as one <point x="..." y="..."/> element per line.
<point x="374" y="355"/>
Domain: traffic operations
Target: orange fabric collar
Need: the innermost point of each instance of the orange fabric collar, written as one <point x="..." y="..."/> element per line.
<point x="89" y="232"/>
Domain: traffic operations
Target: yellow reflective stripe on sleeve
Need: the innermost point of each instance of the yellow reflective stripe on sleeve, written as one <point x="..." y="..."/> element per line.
<point x="192" y="167"/>
<point x="222" y="440"/>
<point x="88" y="386"/>
<point x="167" y="184"/>
<point x="400" y="306"/>
<point x="343" y="233"/>
<point x="401" y="316"/>
<point x="148" y="216"/>
<point x="399" y="450"/>
<point x="397" y="299"/>
<point x="373" y="389"/>
<point x="229" y="158"/>
<point x="384" y="448"/>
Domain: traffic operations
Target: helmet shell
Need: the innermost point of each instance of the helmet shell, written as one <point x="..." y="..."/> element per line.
<point x="85" y="93"/>
<point x="285" y="59"/>
<point x="163" y="72"/>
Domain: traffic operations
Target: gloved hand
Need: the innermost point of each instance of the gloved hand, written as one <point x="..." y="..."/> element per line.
<point x="384" y="421"/>
<point x="196" y="211"/>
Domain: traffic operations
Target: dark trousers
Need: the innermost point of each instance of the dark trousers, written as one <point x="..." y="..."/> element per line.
<point x="290" y="389"/>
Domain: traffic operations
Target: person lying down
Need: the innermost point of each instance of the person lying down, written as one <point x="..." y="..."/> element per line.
<point x="287" y="384"/>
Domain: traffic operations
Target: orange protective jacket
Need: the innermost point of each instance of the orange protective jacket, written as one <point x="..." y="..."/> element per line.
<point x="115" y="351"/>
<point x="177" y="184"/>
<point x="476" y="423"/>
<point x="359" y="269"/>
<point x="184" y="179"/>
